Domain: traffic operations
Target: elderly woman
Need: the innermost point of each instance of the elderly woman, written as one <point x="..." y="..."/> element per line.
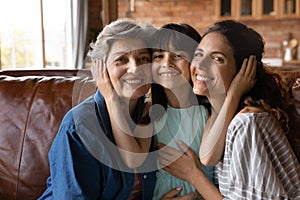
<point x="84" y="160"/>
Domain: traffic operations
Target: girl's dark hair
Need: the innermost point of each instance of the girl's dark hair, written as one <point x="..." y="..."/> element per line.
<point x="178" y="36"/>
<point x="269" y="92"/>
<point x="170" y="37"/>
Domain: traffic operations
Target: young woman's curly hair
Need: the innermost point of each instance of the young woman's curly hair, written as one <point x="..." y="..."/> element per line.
<point x="274" y="95"/>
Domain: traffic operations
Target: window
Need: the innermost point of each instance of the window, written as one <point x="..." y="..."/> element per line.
<point x="226" y="8"/>
<point x="257" y="9"/>
<point x="246" y="7"/>
<point x="289" y="6"/>
<point x="268" y="7"/>
<point x="35" y="34"/>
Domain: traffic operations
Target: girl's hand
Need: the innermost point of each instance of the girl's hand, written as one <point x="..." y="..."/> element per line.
<point x="245" y="78"/>
<point x="177" y="163"/>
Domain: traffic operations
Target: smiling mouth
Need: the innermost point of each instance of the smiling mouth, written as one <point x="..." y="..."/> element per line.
<point x="169" y="74"/>
<point x="203" y="78"/>
<point x="133" y="81"/>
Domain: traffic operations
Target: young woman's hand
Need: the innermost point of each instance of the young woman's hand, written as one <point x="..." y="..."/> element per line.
<point x="245" y="78"/>
<point x="172" y="195"/>
<point x="187" y="166"/>
<point x="177" y="163"/>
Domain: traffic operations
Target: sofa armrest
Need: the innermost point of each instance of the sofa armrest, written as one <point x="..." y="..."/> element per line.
<point x="32" y="108"/>
<point x="296" y="94"/>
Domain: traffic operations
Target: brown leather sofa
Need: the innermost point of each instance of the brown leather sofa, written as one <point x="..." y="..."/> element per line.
<point x="291" y="75"/>
<point x="32" y="105"/>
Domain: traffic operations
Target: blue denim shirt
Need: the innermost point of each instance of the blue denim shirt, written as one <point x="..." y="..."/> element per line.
<point x="83" y="161"/>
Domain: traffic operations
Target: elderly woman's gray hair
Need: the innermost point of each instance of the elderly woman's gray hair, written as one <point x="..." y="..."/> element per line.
<point x="119" y="29"/>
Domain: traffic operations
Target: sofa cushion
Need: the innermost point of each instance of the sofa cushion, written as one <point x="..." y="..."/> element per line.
<point x="32" y="108"/>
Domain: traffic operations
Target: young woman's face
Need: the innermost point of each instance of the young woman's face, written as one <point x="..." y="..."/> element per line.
<point x="128" y="64"/>
<point x="213" y="66"/>
<point x="171" y="69"/>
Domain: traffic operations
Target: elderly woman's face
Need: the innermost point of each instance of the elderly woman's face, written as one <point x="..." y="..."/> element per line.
<point x="213" y="66"/>
<point x="129" y="67"/>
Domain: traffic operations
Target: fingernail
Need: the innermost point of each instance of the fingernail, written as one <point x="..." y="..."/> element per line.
<point x="179" y="188"/>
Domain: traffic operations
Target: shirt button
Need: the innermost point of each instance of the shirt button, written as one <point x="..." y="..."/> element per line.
<point x="145" y="176"/>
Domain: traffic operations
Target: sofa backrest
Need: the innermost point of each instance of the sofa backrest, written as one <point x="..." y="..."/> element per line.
<point x="31" y="110"/>
<point x="47" y="72"/>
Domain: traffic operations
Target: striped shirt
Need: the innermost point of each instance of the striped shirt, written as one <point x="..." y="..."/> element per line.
<point x="258" y="161"/>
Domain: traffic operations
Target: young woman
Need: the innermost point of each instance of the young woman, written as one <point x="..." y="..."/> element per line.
<point x="257" y="160"/>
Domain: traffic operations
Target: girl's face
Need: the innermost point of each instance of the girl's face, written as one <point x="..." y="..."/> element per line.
<point x="213" y="66"/>
<point x="128" y="65"/>
<point x="171" y="69"/>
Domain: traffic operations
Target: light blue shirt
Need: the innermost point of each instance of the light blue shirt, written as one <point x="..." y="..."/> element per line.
<point x="180" y="124"/>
